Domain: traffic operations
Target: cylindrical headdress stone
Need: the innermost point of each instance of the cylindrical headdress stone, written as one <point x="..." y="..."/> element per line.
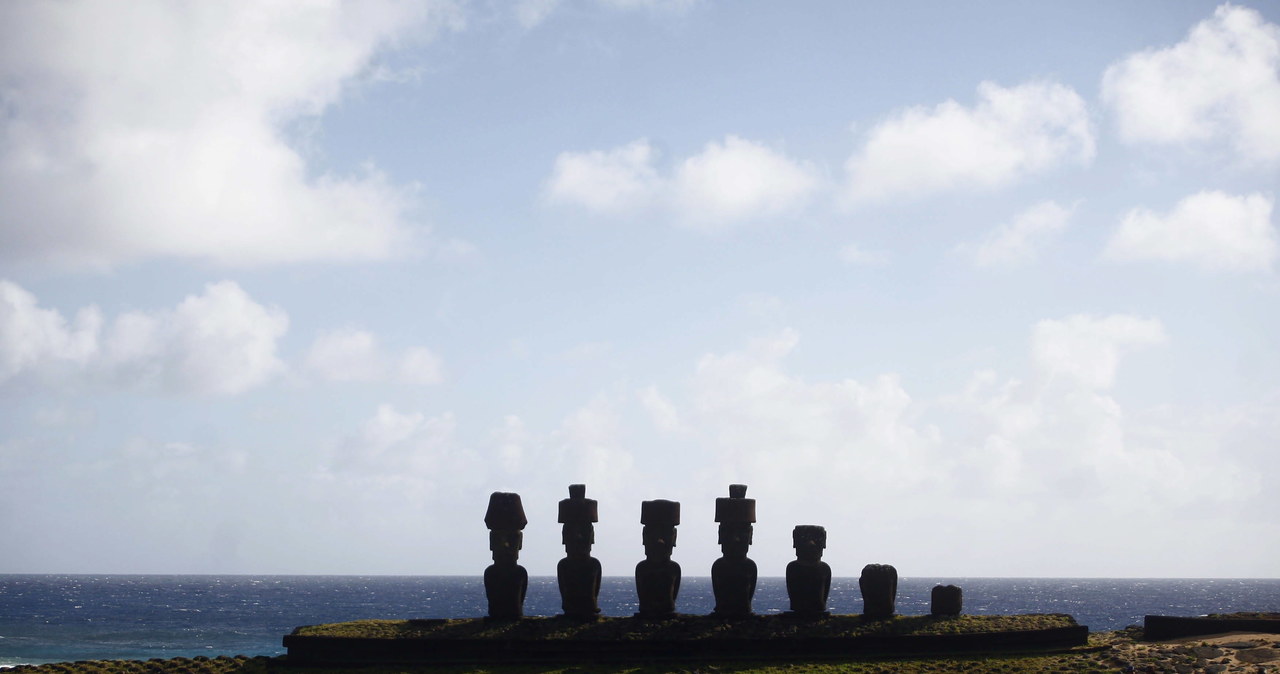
<point x="578" y="508"/>
<point x="660" y="513"/>
<point x="505" y="512"/>
<point x="737" y="509"/>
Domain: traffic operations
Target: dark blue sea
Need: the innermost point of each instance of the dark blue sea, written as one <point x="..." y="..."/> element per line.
<point x="50" y="618"/>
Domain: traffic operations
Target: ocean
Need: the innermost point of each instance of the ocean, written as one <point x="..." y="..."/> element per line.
<point x="53" y="618"/>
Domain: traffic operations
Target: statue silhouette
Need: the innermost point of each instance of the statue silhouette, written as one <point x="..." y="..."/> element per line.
<point x="733" y="576"/>
<point x="808" y="577"/>
<point x="505" y="581"/>
<point x="657" y="577"/>
<point x="578" y="574"/>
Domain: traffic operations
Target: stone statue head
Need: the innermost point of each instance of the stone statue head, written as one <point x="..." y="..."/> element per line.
<point x="505" y="544"/>
<point x="659" y="518"/>
<point x="659" y="540"/>
<point x="809" y="541"/>
<point x="578" y="537"/>
<point x="735" y="538"/>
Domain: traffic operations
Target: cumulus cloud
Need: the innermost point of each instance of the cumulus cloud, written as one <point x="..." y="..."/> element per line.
<point x="728" y="183"/>
<point x="661" y="412"/>
<point x="998" y="460"/>
<point x="1086" y="349"/>
<point x="33" y="338"/>
<point x="1062" y="434"/>
<point x="838" y="434"/>
<point x="219" y="342"/>
<point x="419" y="365"/>
<point x="1019" y="241"/>
<point x="1222" y="81"/>
<point x="398" y="443"/>
<point x="738" y="180"/>
<point x="1211" y="230"/>
<point x="1009" y="134"/>
<point x="610" y="181"/>
<point x="115" y="148"/>
<point x="352" y="355"/>
<point x="589" y="445"/>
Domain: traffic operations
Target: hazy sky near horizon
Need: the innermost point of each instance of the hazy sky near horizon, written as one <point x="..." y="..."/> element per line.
<point x="986" y="289"/>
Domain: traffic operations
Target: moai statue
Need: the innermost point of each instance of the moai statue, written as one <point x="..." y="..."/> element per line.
<point x="809" y="578"/>
<point x="578" y="573"/>
<point x="945" y="600"/>
<point x="657" y="577"/>
<point x="733" y="576"/>
<point x="505" y="581"/>
<point x="879" y="585"/>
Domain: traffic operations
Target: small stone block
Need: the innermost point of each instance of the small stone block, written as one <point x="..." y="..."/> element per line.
<point x="946" y="600"/>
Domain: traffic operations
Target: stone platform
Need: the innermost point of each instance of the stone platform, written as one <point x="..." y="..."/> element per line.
<point x="1160" y="627"/>
<point x="772" y="637"/>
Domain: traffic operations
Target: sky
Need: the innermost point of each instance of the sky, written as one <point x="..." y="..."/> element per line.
<point x="985" y="289"/>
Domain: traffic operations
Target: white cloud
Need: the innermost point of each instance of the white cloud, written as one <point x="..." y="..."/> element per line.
<point x="1019" y="241"/>
<point x="345" y="355"/>
<point x="116" y="148"/>
<point x="531" y="13"/>
<point x="606" y="182"/>
<point x="1086" y="349"/>
<point x="1061" y="436"/>
<point x="1009" y="134"/>
<point x="1222" y="81"/>
<point x="821" y="436"/>
<point x="729" y="182"/>
<point x="33" y="338"/>
<point x="740" y="180"/>
<point x="419" y="365"/>
<point x="1211" y="230"/>
<point x="399" y="461"/>
<point x="353" y="355"/>
<point x="661" y="412"/>
<point x="512" y="440"/>
<point x="220" y="342"/>
<point x="996" y="461"/>
<point x="589" y="446"/>
<point x="856" y="255"/>
<point x="652" y="5"/>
